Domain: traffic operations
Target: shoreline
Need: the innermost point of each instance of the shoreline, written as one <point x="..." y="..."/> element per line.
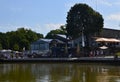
<point x="62" y="60"/>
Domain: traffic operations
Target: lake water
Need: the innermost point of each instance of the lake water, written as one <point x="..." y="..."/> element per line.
<point x="59" y="72"/>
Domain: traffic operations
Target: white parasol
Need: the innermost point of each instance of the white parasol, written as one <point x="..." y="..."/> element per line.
<point x="103" y="47"/>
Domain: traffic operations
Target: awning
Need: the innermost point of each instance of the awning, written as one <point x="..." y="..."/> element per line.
<point x="107" y="40"/>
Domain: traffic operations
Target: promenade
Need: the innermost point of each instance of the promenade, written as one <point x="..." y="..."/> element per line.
<point x="109" y="60"/>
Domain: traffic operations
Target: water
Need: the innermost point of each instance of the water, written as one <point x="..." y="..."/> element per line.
<point x="59" y="72"/>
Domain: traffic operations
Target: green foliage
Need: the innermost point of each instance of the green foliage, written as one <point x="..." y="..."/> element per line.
<point x="16" y="47"/>
<point x="24" y="43"/>
<point x="61" y="30"/>
<point x="4" y="40"/>
<point x="82" y="17"/>
<point x="1" y="46"/>
<point x="17" y="40"/>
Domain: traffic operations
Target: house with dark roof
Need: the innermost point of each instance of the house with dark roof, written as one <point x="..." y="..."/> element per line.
<point x="109" y="33"/>
<point x="40" y="46"/>
<point x="105" y="42"/>
<point x="111" y="42"/>
<point x="49" y="46"/>
<point x="105" y="33"/>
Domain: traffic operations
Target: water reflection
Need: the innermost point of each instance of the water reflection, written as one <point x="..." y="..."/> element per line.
<point x="59" y="72"/>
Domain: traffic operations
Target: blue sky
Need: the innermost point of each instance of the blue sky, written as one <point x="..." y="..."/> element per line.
<point x="42" y="16"/>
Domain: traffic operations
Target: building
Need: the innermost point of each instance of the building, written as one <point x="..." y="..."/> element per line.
<point x="49" y="47"/>
<point x="107" y="42"/>
<point x="109" y="33"/>
<point x="41" y="46"/>
<point x="107" y="46"/>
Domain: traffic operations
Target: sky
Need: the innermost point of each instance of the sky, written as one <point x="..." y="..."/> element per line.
<point x="42" y="16"/>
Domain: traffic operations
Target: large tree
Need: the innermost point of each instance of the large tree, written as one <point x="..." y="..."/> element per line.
<point x="82" y="17"/>
<point x="19" y="39"/>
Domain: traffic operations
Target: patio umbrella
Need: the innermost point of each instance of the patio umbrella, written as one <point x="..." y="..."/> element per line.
<point x="114" y="40"/>
<point x="101" y="40"/>
<point x="107" y="40"/>
<point x="103" y="47"/>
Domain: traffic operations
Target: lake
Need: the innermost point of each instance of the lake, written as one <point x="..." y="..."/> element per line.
<point x="59" y="72"/>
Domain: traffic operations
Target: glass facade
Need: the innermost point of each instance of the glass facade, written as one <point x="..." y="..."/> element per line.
<point x="40" y="46"/>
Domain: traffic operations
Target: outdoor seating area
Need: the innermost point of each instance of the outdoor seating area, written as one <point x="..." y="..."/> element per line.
<point x="9" y="54"/>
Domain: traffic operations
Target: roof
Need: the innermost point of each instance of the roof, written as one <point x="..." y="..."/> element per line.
<point x="110" y="33"/>
<point x="59" y="41"/>
<point x="112" y="29"/>
<point x="61" y="35"/>
<point x="47" y="40"/>
<point x="42" y="40"/>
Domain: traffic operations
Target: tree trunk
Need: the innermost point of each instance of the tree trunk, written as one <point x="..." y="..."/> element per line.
<point x="87" y="45"/>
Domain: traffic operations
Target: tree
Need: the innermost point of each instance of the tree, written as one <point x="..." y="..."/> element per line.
<point x="61" y="30"/>
<point x="1" y="46"/>
<point x="16" y="47"/>
<point x="18" y="39"/>
<point x="4" y="41"/>
<point x="82" y="18"/>
<point x="24" y="43"/>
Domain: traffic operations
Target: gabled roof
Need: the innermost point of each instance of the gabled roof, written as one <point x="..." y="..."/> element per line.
<point x="61" y="35"/>
<point x="59" y="41"/>
<point x="47" y="40"/>
<point x="110" y="33"/>
<point x="42" y="40"/>
<point x="111" y="29"/>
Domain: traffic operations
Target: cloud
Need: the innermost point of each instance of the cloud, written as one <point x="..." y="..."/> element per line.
<point x="112" y="26"/>
<point x="112" y="23"/>
<point x="104" y="2"/>
<point x="117" y="3"/>
<point x="43" y="29"/>
<point x="9" y="27"/>
<point x="114" y="17"/>
<point x="52" y="26"/>
<point x="108" y="2"/>
<point x="69" y="5"/>
<point x="93" y="2"/>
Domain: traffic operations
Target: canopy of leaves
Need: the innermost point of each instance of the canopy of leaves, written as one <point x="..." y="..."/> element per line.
<point x="80" y="18"/>
<point x="17" y="40"/>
